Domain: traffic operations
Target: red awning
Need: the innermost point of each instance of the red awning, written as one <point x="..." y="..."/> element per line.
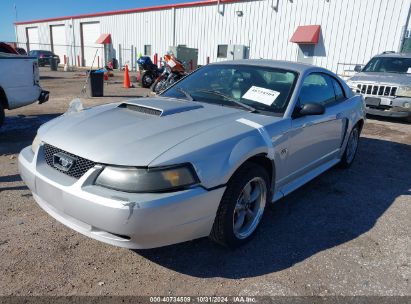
<point x="306" y="34"/>
<point x="104" y="39"/>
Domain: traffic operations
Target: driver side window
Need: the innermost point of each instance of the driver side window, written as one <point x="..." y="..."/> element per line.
<point x="317" y="88"/>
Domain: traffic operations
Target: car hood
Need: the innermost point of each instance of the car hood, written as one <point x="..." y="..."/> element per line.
<point x="135" y="132"/>
<point x="382" y="78"/>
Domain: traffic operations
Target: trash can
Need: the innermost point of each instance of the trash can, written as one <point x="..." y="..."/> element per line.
<point x="53" y="64"/>
<point x="96" y="83"/>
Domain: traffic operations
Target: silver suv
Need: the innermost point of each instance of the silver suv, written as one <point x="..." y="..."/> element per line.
<point x="385" y="82"/>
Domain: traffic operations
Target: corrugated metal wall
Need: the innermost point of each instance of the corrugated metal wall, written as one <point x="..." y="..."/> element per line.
<point x="352" y="30"/>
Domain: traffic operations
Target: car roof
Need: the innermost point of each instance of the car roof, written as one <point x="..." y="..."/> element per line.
<point x="280" y="64"/>
<point x="395" y="55"/>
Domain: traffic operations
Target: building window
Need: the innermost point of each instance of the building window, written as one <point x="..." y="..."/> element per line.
<point x="147" y="50"/>
<point x="406" y="46"/>
<point x="222" y="51"/>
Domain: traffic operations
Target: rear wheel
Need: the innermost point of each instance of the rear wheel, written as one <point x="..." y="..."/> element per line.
<point x="242" y="206"/>
<point x="351" y="148"/>
<point x="159" y="86"/>
<point x="1" y="114"/>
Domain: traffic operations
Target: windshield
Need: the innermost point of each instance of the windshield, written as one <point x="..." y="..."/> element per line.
<point x="388" y="65"/>
<point x="252" y="88"/>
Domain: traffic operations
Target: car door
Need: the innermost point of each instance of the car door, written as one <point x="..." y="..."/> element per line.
<point x="315" y="139"/>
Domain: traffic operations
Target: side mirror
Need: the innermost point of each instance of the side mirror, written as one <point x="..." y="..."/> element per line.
<point x="357" y="68"/>
<point x="310" y="109"/>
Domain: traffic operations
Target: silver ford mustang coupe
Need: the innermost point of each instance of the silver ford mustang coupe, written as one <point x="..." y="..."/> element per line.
<point x="202" y="159"/>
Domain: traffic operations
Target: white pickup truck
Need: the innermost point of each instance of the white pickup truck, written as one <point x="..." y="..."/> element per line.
<point x="19" y="83"/>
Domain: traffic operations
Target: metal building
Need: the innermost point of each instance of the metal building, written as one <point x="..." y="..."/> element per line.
<point x="328" y="33"/>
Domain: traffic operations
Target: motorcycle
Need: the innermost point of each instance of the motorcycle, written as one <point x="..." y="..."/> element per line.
<point x="174" y="70"/>
<point x="151" y="71"/>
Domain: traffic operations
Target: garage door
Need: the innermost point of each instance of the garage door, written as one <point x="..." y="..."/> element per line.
<point x="32" y="34"/>
<point x="58" y="40"/>
<point x="89" y="35"/>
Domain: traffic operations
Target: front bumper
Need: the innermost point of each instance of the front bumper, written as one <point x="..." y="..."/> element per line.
<point x="389" y="113"/>
<point x="393" y="107"/>
<point x="46" y="61"/>
<point x="127" y="220"/>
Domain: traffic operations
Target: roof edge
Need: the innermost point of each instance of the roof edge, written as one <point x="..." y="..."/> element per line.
<point x="129" y="11"/>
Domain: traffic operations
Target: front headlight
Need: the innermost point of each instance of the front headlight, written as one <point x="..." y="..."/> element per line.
<point x="129" y="179"/>
<point x="36" y="143"/>
<point x="403" y="92"/>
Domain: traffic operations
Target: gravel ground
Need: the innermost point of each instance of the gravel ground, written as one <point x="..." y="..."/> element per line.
<point x="347" y="232"/>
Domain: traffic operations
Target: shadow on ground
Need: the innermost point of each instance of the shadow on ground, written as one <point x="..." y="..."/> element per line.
<point x="333" y="209"/>
<point x="389" y="119"/>
<point x="13" y="188"/>
<point x="7" y="179"/>
<point x="19" y="131"/>
<point x="42" y="77"/>
<point x="10" y="178"/>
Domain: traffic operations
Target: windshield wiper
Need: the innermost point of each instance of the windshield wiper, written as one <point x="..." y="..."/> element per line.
<point x="239" y="103"/>
<point x="189" y="97"/>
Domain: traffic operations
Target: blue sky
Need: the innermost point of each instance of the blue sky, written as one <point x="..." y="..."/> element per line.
<point x="38" y="9"/>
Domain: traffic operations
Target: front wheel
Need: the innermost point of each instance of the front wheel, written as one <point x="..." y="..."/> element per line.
<point x="351" y="148"/>
<point x="242" y="206"/>
<point x="147" y="79"/>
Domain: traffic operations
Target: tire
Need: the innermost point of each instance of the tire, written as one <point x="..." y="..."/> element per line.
<point x="158" y="86"/>
<point x="230" y="213"/>
<point x="1" y="115"/>
<point x="147" y="79"/>
<point x="351" y="148"/>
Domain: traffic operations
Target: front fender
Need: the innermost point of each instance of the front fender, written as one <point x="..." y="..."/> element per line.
<point x="216" y="154"/>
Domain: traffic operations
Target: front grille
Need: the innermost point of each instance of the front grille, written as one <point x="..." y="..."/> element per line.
<point x="80" y="167"/>
<point x="376" y="90"/>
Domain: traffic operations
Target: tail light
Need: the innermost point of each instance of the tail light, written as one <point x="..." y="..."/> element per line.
<point x="36" y="75"/>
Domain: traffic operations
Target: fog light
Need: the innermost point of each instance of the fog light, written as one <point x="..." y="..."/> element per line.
<point x="406" y="105"/>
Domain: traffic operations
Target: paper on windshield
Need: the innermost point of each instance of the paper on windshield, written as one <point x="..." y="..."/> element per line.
<point x="261" y="95"/>
<point x="409" y="71"/>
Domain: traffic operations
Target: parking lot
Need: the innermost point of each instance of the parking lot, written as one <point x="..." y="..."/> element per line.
<point x="345" y="233"/>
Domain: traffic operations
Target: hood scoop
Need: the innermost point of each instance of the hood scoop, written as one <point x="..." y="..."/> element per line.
<point x="141" y="109"/>
<point x="160" y="106"/>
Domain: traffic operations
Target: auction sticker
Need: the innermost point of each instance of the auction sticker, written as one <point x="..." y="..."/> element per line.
<point x="261" y="95"/>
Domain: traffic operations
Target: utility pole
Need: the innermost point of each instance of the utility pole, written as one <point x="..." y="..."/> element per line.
<point x="403" y="36"/>
<point x="15" y="26"/>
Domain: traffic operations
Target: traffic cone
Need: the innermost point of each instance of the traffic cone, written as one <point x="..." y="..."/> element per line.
<point x="126" y="83"/>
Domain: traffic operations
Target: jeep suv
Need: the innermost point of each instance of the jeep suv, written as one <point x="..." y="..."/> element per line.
<point x="385" y="82"/>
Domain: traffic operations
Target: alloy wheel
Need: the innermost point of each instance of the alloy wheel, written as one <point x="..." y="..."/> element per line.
<point x="249" y="208"/>
<point x="352" y="145"/>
